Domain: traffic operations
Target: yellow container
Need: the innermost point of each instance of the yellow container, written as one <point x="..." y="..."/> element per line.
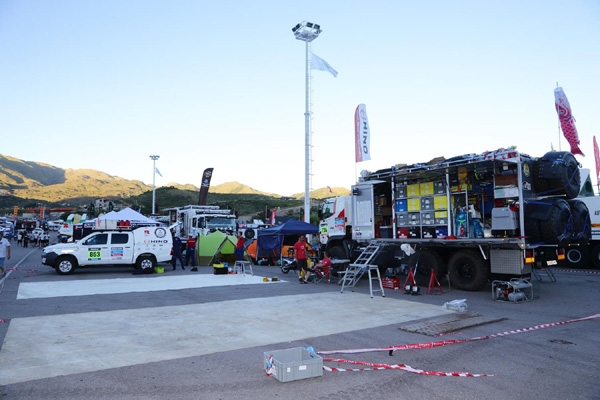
<point x="461" y="188"/>
<point x="426" y="189"/>
<point x="413" y="191"/>
<point x="159" y="270"/>
<point x="441" y="214"/>
<point x="440" y="202"/>
<point x="414" y="204"/>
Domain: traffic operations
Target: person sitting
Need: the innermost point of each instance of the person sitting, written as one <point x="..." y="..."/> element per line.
<point x="323" y="265"/>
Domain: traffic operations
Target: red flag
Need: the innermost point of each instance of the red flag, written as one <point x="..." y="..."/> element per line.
<point x="597" y="157"/>
<point x="566" y="119"/>
<point x="273" y="216"/>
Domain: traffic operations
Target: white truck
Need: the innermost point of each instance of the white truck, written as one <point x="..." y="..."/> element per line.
<point x="472" y="217"/>
<point x="201" y="220"/>
<point x="142" y="247"/>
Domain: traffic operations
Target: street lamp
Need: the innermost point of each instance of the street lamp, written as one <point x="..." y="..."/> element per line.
<point x="307" y="32"/>
<point x="154" y="158"/>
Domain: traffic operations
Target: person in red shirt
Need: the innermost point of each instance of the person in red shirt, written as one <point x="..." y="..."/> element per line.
<point x="190" y="250"/>
<point x="239" y="248"/>
<point x="324" y="265"/>
<point x="300" y="250"/>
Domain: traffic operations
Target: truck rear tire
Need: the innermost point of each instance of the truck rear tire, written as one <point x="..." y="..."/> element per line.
<point x="65" y="265"/>
<point x="555" y="230"/>
<point x="468" y="270"/>
<point x="146" y="264"/>
<point x="429" y="259"/>
<point x="582" y="228"/>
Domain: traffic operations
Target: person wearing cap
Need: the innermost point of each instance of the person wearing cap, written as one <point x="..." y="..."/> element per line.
<point x="4" y="252"/>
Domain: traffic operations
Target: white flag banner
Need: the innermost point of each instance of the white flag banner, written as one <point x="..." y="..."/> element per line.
<point x="318" y="63"/>
<point x="158" y="172"/>
<point x="362" y="134"/>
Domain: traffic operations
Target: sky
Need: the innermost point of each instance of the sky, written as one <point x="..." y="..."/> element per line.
<point x="105" y="84"/>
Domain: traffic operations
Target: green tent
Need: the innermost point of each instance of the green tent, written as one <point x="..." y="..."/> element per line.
<point x="216" y="245"/>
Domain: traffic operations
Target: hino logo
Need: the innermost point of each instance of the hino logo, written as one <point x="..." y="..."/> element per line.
<point x="597" y="212"/>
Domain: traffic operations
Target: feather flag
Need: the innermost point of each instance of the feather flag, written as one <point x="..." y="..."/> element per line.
<point x="158" y="172"/>
<point x="567" y="121"/>
<point x="362" y="134"/>
<point x="597" y="157"/>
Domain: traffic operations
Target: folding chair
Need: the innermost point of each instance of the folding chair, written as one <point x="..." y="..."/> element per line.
<point x="320" y="274"/>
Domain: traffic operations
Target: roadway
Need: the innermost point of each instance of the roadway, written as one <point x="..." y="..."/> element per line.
<point x="107" y="334"/>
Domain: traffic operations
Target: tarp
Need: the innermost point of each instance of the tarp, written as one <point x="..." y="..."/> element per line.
<point x="272" y="238"/>
<point x="216" y="245"/>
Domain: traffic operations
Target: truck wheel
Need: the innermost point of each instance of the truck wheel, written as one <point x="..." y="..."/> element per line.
<point x="428" y="260"/>
<point x="146" y="264"/>
<point x="577" y="257"/>
<point x="595" y="257"/>
<point x="65" y="265"/>
<point x="582" y="229"/>
<point x="468" y="271"/>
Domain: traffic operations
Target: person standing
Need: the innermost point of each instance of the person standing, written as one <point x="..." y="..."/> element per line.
<point x="239" y="248"/>
<point x="300" y="255"/>
<point x="190" y="251"/>
<point x="4" y="253"/>
<point x="177" y="253"/>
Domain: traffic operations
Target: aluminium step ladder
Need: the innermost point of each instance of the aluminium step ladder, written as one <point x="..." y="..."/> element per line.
<point x="356" y="270"/>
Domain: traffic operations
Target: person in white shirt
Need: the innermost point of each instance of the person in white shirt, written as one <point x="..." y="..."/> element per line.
<point x="4" y="252"/>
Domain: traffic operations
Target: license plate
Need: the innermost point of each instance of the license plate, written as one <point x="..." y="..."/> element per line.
<point x="552" y="262"/>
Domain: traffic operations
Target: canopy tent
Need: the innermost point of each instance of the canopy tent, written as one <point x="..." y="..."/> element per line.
<point x="109" y="220"/>
<point x="216" y="245"/>
<point x="272" y="238"/>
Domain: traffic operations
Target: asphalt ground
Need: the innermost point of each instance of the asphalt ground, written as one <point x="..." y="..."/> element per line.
<point x="555" y="362"/>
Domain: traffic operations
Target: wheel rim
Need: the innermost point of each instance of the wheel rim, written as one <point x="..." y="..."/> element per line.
<point x="465" y="270"/>
<point x="574" y="256"/>
<point x="65" y="266"/>
<point x="146" y="263"/>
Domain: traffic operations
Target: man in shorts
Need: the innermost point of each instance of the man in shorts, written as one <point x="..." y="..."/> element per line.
<point x="4" y="253"/>
<point x="300" y="250"/>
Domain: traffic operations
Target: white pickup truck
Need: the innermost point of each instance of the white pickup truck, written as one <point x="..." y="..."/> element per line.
<point x="142" y="247"/>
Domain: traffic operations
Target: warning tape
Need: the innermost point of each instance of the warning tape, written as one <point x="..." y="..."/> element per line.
<point x="270" y="368"/>
<point x="403" y="367"/>
<point x="430" y="345"/>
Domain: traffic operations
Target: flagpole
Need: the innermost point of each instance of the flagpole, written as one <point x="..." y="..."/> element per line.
<point x="559" y="148"/>
<point x="154" y="158"/>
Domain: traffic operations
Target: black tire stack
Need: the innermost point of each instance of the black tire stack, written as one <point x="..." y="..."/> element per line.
<point x="554" y="220"/>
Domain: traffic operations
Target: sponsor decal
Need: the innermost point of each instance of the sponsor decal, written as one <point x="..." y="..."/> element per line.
<point x="116" y="253"/>
<point x="160" y="232"/>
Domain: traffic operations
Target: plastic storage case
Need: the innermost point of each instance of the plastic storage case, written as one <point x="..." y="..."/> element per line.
<point x="294" y="364"/>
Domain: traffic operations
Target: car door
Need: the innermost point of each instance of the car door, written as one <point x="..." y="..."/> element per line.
<point x="121" y="248"/>
<point x="95" y="250"/>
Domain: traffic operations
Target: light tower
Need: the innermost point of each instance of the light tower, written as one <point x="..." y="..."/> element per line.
<point x="307" y="32"/>
<point x="154" y="158"/>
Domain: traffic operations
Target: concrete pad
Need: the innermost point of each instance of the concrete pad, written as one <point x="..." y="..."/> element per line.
<point x="49" y="346"/>
<point x="35" y="290"/>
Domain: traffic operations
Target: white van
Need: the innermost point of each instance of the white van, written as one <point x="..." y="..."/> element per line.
<point x="143" y="247"/>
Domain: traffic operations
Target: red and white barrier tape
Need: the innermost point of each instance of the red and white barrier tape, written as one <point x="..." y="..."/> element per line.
<point x="403" y="367"/>
<point x="583" y="271"/>
<point x="430" y="345"/>
<point x="270" y="368"/>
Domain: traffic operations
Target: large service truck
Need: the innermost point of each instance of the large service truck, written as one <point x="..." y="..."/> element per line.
<point x="197" y="221"/>
<point x="472" y="217"/>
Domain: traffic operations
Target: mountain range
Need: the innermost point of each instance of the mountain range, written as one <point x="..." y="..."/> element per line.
<point x="34" y="180"/>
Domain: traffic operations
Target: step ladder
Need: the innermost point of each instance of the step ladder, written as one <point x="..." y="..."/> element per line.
<point x="375" y="268"/>
<point x="356" y="270"/>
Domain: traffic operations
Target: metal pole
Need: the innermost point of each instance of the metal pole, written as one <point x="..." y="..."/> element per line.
<point x="154" y="158"/>
<point x="307" y="141"/>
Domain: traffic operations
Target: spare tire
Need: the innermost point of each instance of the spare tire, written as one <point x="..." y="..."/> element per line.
<point x="581" y="222"/>
<point x="249" y="234"/>
<point x="557" y="173"/>
<point x="557" y="228"/>
<point x="468" y="270"/>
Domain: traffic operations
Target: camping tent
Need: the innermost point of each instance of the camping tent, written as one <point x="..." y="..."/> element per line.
<point x="127" y="214"/>
<point x="216" y="245"/>
<point x="272" y="238"/>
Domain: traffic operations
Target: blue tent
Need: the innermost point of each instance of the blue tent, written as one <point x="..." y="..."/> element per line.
<point x="272" y="238"/>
